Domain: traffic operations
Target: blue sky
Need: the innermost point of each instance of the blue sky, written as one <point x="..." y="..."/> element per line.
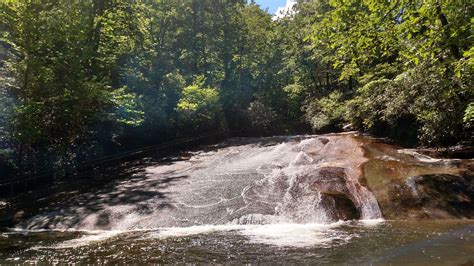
<point x="272" y="5"/>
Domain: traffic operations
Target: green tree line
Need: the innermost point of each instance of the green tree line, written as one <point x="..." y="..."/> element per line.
<point x="84" y="79"/>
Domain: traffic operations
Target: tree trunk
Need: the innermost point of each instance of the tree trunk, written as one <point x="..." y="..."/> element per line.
<point x="444" y="22"/>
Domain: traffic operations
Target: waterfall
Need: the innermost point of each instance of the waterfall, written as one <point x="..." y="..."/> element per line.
<point x="298" y="180"/>
<point x="290" y="195"/>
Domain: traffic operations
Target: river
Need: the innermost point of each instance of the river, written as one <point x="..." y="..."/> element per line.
<point x="300" y="199"/>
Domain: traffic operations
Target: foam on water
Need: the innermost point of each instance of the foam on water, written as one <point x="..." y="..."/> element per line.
<point x="294" y="235"/>
<point x="420" y="157"/>
<point x="264" y="191"/>
<point x="284" y="234"/>
<point x="87" y="239"/>
<point x="372" y="222"/>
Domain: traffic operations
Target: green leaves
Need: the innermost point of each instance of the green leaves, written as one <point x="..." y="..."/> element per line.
<point x="327" y="111"/>
<point x="469" y="115"/>
<point x="406" y="59"/>
<point x="261" y="116"/>
<point x="63" y="74"/>
<point x="127" y="110"/>
<point x="198" y="103"/>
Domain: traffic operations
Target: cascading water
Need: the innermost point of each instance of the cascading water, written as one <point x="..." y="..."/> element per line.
<point x="273" y="181"/>
<point x="302" y="199"/>
<point x="288" y="193"/>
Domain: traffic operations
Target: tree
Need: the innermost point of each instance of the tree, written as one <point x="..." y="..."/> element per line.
<point x="199" y="105"/>
<point x="405" y="58"/>
<point x="62" y="83"/>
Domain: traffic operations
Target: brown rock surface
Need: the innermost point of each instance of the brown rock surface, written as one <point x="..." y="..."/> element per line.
<point x="412" y="185"/>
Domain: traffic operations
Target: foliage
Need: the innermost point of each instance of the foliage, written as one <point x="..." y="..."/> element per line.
<point x="198" y="104"/>
<point x="63" y="76"/>
<point x="80" y="80"/>
<point x="469" y="115"/>
<point x="261" y="116"/>
<point x="408" y="64"/>
<point x="326" y="112"/>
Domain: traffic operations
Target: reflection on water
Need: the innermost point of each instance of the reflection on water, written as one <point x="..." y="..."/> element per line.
<point x="400" y="242"/>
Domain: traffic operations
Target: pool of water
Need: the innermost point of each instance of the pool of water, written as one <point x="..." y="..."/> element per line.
<point x="370" y="242"/>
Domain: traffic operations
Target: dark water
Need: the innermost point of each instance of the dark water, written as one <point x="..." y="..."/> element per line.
<point x="396" y="243"/>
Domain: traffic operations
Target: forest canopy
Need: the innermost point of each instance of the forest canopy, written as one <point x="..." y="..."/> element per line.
<point x="84" y="79"/>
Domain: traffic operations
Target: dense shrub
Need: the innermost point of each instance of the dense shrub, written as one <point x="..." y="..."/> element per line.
<point x="199" y="105"/>
<point x="261" y="117"/>
<point x="327" y="112"/>
<point x="435" y="102"/>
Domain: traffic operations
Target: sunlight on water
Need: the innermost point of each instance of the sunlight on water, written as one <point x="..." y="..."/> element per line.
<point x="290" y="235"/>
<point x="88" y="238"/>
<point x="296" y="235"/>
<point x="301" y="199"/>
<point x="435" y="242"/>
<point x="273" y="180"/>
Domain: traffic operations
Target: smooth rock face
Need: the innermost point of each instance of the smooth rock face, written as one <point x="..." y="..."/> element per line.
<point x="454" y="194"/>
<point x="301" y="179"/>
<point x="332" y="181"/>
<point x="436" y="196"/>
<point x="335" y="194"/>
<point x="410" y="185"/>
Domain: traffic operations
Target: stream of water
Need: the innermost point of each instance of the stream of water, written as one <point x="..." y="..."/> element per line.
<point x="266" y="200"/>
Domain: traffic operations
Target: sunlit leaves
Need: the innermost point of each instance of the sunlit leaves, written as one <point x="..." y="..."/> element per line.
<point x="326" y="112"/>
<point x="127" y="112"/>
<point x="198" y="103"/>
<point x="59" y="97"/>
<point x="469" y="115"/>
<point x="411" y="59"/>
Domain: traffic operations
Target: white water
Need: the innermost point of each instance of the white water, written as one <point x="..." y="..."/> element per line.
<point x="294" y="235"/>
<point x="262" y="190"/>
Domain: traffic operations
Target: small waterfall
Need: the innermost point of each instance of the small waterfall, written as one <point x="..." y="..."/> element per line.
<point x="289" y="194"/>
<point x="280" y="180"/>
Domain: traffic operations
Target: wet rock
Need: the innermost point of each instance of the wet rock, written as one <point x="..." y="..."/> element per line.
<point x="456" y="152"/>
<point x="341" y="207"/>
<point x="335" y="196"/>
<point x="446" y="195"/>
<point x="103" y="220"/>
<point x="414" y="184"/>
<point x="19" y="215"/>
<point x="3" y="204"/>
<point x="348" y="127"/>
<point x="332" y="180"/>
<point x="324" y="141"/>
<point x="435" y="196"/>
